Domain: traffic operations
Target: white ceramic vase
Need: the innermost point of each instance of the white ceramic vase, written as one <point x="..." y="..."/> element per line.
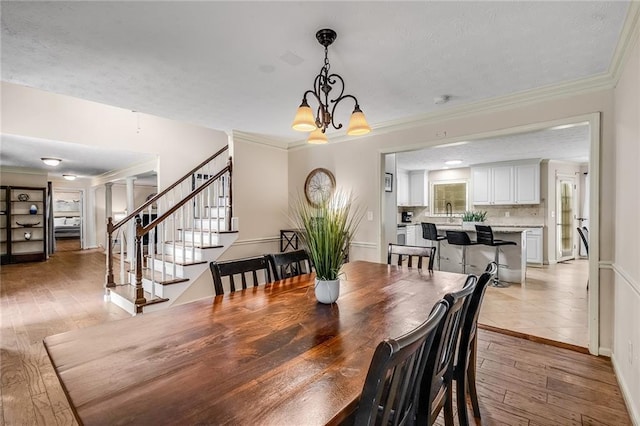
<point x="327" y="291"/>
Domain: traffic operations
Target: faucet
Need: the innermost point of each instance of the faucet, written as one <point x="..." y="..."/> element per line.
<point x="449" y="209"/>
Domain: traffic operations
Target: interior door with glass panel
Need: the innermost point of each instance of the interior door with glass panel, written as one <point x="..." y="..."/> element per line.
<point x="565" y="217"/>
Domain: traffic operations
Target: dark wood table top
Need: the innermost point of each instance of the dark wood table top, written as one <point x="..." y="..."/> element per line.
<point x="269" y="355"/>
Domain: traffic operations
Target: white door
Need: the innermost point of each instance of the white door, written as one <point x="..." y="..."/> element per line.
<point x="565" y="218"/>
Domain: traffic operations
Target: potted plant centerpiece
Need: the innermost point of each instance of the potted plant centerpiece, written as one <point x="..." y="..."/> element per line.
<point x="326" y="230"/>
<point x="471" y="218"/>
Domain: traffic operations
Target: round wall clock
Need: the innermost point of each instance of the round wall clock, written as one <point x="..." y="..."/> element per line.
<point x="319" y="186"/>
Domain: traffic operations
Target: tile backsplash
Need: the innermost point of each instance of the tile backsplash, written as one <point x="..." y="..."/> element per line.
<point x="503" y="215"/>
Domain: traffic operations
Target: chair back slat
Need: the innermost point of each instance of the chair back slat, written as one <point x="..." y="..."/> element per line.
<point x="584" y="239"/>
<point x="392" y="386"/>
<point x="410" y="252"/>
<point x="240" y="267"/>
<point x="484" y="235"/>
<point x="289" y="264"/>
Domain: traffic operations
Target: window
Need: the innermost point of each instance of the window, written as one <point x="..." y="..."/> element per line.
<point x="449" y="197"/>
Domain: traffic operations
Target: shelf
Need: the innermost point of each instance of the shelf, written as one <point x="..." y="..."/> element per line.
<point x="28" y="241"/>
<point x="14" y="211"/>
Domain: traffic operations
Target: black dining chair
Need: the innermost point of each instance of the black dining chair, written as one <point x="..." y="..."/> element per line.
<point x="289" y="264"/>
<point x="464" y="370"/>
<point x="391" y="388"/>
<point x="242" y="268"/>
<point x="436" y="390"/>
<point x="485" y="237"/>
<point x="403" y="252"/>
<point x="430" y="232"/>
<point x="584" y="236"/>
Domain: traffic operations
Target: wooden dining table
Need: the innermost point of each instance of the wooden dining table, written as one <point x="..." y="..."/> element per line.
<point x="268" y="355"/>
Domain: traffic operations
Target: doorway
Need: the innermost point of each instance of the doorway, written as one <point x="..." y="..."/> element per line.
<point x="565" y="217"/>
<point x="68" y="213"/>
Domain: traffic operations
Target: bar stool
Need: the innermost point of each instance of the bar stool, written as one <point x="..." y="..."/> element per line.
<point x="430" y="232"/>
<point x="461" y="238"/>
<point x="485" y="237"/>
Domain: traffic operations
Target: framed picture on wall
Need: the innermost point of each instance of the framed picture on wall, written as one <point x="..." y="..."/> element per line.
<point x="388" y="182"/>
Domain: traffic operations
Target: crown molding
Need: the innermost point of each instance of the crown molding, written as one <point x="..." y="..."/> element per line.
<point x="24" y="170"/>
<point x="258" y="139"/>
<point x="629" y="36"/>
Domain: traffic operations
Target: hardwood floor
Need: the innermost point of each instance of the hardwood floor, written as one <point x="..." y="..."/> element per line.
<point x="520" y="382"/>
<point x="552" y="304"/>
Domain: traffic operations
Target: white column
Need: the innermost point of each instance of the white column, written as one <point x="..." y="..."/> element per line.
<point x="131" y="233"/>
<point x="89" y="219"/>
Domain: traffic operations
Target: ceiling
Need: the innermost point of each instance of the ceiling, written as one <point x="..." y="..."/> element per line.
<point x="559" y="143"/>
<point x="244" y="65"/>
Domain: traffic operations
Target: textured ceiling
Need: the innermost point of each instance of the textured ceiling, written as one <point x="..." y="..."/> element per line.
<point x="245" y="65"/>
<point x="79" y="160"/>
<point x="566" y="144"/>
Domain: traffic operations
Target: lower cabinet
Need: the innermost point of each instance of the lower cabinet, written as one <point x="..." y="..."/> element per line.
<point x="534" y="245"/>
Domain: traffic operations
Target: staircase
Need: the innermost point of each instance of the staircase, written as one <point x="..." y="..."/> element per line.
<point x="187" y="226"/>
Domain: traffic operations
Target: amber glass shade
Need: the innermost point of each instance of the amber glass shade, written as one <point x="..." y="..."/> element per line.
<point x="358" y="124"/>
<point x="317" y="137"/>
<point x="304" y="120"/>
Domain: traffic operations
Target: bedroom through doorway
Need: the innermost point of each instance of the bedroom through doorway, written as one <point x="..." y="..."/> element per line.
<point x="67" y="219"/>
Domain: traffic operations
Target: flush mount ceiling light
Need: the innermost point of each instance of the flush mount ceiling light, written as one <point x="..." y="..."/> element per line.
<point x="51" y="161"/>
<point x="69" y="177"/>
<point x="324" y="82"/>
<point x="453" y="162"/>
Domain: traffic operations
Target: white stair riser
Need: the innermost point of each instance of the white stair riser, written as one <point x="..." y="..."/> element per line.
<point x="211" y="225"/>
<point x="181" y="254"/>
<point x="203" y="238"/>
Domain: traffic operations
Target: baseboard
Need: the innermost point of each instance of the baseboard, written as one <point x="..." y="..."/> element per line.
<point x="536" y="339"/>
<point x="626" y="394"/>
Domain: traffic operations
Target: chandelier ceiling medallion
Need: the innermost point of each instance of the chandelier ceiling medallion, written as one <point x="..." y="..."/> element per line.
<point x="305" y="121"/>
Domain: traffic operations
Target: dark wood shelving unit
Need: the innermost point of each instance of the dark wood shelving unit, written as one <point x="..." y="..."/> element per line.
<point x="22" y="224"/>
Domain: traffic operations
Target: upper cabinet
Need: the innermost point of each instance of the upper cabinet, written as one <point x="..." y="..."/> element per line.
<point x="418" y="188"/>
<point x="506" y="183"/>
<point x="413" y="188"/>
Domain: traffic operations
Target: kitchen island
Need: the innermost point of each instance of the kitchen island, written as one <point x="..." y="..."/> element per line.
<point x="513" y="259"/>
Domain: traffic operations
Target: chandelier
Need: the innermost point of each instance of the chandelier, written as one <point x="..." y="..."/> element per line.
<point x="305" y="121"/>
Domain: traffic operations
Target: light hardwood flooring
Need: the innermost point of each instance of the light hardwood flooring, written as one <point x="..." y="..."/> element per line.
<point x="520" y="382"/>
<point x="551" y="305"/>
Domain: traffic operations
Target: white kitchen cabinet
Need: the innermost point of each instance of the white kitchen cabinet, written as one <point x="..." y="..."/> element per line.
<point x="527" y="183"/>
<point x="403" y="188"/>
<point x="534" y="245"/>
<point x="506" y="183"/>
<point x="481" y="183"/>
<point x="418" y="188"/>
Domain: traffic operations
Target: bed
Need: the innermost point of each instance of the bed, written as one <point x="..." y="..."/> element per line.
<point x="66" y="227"/>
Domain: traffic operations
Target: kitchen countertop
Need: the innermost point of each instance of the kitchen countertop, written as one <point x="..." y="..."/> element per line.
<point x="499" y="228"/>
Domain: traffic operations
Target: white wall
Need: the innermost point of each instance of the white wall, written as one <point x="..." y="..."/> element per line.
<point x="38" y="114"/>
<point x="626" y="339"/>
<point x="356" y="164"/>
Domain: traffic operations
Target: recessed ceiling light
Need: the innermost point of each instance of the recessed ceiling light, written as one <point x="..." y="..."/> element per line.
<point x="51" y="161"/>
<point x="447" y="145"/>
<point x="453" y="162"/>
<point x="69" y="177"/>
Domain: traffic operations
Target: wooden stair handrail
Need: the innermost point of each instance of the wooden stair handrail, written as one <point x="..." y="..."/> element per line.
<point x="159" y="195"/>
<point x="143" y="230"/>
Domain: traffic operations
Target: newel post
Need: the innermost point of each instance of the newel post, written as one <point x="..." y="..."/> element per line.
<point x="229" y="208"/>
<point x="109" y="282"/>
<point x="140" y="300"/>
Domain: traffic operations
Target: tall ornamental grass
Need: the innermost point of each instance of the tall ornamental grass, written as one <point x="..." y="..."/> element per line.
<point x="327" y="231"/>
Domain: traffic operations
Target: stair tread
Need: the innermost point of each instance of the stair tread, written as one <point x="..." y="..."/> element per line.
<point x="190" y="244"/>
<point x="128" y="292"/>
<point x="181" y="263"/>
<point x="157" y="276"/>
